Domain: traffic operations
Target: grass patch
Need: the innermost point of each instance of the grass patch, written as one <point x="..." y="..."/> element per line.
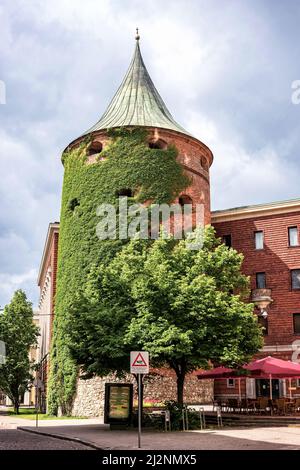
<point x="29" y="413"/>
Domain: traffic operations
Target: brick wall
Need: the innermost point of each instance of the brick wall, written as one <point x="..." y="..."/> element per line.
<point x="195" y="157"/>
<point x="276" y="260"/>
<point x="54" y="260"/>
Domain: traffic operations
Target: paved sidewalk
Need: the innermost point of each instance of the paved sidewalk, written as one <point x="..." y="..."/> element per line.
<point x="13" y="422"/>
<point x="100" y="436"/>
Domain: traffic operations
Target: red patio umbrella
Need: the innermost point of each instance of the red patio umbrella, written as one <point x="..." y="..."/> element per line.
<point x="278" y="368"/>
<point x="216" y="373"/>
<point x="266" y="368"/>
<point x="220" y="373"/>
<point x="273" y="368"/>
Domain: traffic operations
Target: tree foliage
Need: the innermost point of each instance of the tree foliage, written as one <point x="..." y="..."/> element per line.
<point x="186" y="307"/>
<point x="19" y="334"/>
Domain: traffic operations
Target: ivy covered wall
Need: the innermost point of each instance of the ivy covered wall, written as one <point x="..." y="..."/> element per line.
<point x="126" y="162"/>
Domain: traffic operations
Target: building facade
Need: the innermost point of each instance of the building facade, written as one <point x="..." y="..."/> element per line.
<point x="267" y="235"/>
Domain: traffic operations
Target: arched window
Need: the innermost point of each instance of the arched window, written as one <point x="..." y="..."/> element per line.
<point x="73" y="204"/>
<point x="124" y="192"/>
<point x="185" y="199"/>
<point x="94" y="148"/>
<point x="204" y="163"/>
<point x="158" y="144"/>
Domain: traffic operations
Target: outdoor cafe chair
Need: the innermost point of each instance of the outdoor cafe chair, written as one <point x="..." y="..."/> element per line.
<point x="232" y="405"/>
<point x="263" y="405"/>
<point x="280" y="406"/>
<point x="290" y="406"/>
<point x="297" y="405"/>
<point x="244" y="405"/>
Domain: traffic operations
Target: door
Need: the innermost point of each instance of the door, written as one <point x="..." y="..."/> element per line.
<point x="263" y="388"/>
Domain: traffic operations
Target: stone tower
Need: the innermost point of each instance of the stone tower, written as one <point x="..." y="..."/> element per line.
<point x="136" y="105"/>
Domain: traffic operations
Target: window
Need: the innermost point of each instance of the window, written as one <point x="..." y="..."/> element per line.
<point x="158" y="144"/>
<point x="227" y="240"/>
<point x="94" y="148"/>
<point x="259" y="240"/>
<point x="296" y="318"/>
<point x="293" y="236"/>
<point x="73" y="204"/>
<point x="124" y="192"/>
<point x="295" y="275"/>
<point x="185" y="199"/>
<point x="298" y="382"/>
<point x="260" y="280"/>
<point x="230" y="383"/>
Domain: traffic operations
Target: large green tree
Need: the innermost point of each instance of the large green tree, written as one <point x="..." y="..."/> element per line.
<point x="187" y="307"/>
<point x="19" y="334"/>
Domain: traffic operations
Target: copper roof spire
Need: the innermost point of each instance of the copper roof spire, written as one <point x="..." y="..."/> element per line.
<point x="137" y="102"/>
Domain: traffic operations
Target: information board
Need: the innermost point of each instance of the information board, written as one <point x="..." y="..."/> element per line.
<point x="118" y="403"/>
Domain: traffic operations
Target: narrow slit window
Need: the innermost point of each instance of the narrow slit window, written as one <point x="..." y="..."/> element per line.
<point x="259" y="240"/>
<point x="260" y="280"/>
<point x="293" y="236"/>
<point x="296" y="318"/>
<point x="227" y="240"/>
<point x="295" y="275"/>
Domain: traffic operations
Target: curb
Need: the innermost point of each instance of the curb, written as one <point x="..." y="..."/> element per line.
<point x="61" y="437"/>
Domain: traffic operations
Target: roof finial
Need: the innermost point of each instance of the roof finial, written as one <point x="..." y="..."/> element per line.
<point x="137" y="36"/>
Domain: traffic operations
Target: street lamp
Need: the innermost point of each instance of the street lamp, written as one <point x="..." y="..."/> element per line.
<point x="262" y="299"/>
<point x="264" y="314"/>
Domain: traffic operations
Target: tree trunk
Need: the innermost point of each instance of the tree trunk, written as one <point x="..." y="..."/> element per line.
<point x="16" y="406"/>
<point x="180" y="368"/>
<point x="180" y="386"/>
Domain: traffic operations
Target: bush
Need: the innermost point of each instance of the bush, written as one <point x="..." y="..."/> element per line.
<point x="176" y="416"/>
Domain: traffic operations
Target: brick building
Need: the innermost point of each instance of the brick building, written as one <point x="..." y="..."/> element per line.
<point x="267" y="235"/>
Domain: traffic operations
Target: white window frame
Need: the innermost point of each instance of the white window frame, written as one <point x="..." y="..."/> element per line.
<point x="261" y="233"/>
<point x="292" y="286"/>
<point x="291" y="237"/>
<point x="232" y="385"/>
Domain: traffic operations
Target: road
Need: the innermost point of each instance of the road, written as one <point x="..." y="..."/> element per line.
<point x="13" y="439"/>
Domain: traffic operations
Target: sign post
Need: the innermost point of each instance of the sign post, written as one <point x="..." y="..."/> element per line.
<point x="139" y="364"/>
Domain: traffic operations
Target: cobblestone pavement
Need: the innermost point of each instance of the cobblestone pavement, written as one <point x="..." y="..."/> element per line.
<point x="13" y="439"/>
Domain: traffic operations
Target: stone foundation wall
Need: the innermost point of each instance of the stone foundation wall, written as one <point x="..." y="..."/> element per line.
<point x="158" y="387"/>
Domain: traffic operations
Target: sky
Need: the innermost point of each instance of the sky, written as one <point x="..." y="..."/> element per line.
<point x="224" y="68"/>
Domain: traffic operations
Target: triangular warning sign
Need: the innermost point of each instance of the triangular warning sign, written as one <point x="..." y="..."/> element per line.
<point x="139" y="361"/>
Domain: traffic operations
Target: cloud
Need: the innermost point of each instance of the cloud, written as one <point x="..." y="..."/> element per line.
<point x="29" y="195"/>
<point x="11" y="282"/>
<point x="241" y="174"/>
<point x="224" y="69"/>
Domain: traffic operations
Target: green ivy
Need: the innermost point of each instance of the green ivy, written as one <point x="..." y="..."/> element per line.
<point x="127" y="162"/>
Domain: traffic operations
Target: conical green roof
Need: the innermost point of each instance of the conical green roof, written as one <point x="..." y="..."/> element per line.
<point x="137" y="102"/>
